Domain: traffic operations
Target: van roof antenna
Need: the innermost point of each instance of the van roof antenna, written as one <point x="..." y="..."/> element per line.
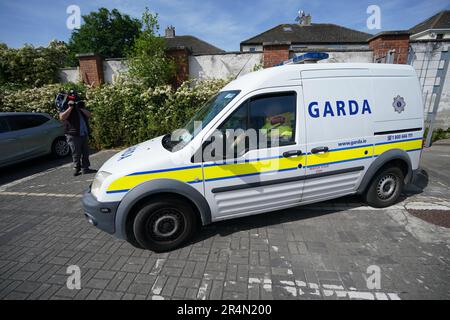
<point x="242" y="68"/>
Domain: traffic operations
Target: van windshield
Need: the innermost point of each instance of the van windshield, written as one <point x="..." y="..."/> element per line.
<point x="201" y="118"/>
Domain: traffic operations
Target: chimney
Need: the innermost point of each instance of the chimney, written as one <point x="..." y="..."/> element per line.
<point x="170" y="32"/>
<point x="307" y="20"/>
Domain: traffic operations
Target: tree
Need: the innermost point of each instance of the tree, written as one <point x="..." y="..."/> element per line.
<point x="107" y="33"/>
<point x="147" y="60"/>
<point x="31" y="67"/>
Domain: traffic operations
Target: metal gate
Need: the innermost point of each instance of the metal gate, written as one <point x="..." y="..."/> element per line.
<point x="432" y="65"/>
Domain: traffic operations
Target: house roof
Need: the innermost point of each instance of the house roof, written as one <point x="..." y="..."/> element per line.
<point x="195" y="45"/>
<point x="314" y="33"/>
<point x="390" y="33"/>
<point x="440" y="20"/>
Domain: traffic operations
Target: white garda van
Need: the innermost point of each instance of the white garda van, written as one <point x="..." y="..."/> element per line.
<point x="340" y="129"/>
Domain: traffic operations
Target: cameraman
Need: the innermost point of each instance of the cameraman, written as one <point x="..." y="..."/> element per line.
<point x="76" y="124"/>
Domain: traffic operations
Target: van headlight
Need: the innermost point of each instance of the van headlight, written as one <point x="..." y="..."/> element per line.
<point x="100" y="177"/>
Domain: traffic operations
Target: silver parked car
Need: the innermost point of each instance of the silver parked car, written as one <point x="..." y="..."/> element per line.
<point x="25" y="136"/>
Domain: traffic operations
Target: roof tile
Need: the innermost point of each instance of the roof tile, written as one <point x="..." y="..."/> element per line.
<point x="194" y="44"/>
<point x="314" y="33"/>
<point x="440" y="20"/>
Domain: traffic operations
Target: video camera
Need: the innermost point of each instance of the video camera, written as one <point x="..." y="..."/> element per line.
<point x="63" y="98"/>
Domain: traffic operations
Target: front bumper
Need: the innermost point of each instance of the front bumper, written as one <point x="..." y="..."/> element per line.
<point x="100" y="214"/>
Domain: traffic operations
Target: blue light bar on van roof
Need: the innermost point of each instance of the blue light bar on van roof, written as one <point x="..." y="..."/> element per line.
<point x="305" y="58"/>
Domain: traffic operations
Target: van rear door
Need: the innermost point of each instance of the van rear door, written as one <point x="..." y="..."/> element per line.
<point x="338" y="128"/>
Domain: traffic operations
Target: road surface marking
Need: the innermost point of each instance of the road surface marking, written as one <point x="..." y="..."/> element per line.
<point x="34" y="194"/>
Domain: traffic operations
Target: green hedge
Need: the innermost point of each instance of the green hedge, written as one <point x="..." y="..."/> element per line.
<point x="31" y="66"/>
<point x="40" y="99"/>
<point x="124" y="113"/>
<point x="438" y="134"/>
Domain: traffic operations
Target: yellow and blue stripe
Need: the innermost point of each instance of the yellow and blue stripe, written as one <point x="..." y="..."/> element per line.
<point x="245" y="168"/>
<point x="408" y="145"/>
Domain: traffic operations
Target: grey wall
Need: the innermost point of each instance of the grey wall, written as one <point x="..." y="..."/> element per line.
<point x="215" y="66"/>
<point x="69" y="75"/>
<point x="112" y="68"/>
<point x="337" y="56"/>
<point x="220" y="66"/>
<point x="424" y="59"/>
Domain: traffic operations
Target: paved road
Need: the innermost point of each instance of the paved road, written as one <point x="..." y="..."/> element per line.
<point x="437" y="159"/>
<point x="322" y="251"/>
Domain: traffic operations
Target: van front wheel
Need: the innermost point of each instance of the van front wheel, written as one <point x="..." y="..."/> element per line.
<point x="385" y="188"/>
<point x="164" y="224"/>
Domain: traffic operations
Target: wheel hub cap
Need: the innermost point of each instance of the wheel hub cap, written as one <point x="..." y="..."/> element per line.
<point x="165" y="226"/>
<point x="61" y="148"/>
<point x="386" y="187"/>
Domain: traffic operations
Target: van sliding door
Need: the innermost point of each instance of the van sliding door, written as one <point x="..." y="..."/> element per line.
<point x="338" y="110"/>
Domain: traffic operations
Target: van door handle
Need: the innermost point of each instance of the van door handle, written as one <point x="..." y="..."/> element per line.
<point x="319" y="150"/>
<point x="292" y="153"/>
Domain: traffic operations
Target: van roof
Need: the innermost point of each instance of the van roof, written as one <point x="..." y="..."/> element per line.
<point x="290" y="74"/>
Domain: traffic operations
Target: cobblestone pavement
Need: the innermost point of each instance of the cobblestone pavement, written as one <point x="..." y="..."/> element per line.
<point x="321" y="251"/>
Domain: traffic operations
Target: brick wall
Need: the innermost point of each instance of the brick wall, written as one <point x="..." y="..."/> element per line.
<point x="273" y="54"/>
<point x="181" y="59"/>
<point x="383" y="44"/>
<point x="91" y="69"/>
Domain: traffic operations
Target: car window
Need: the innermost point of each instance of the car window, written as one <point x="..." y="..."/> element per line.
<point x="271" y="117"/>
<point x="200" y="119"/>
<point x="3" y="125"/>
<point x="238" y="119"/>
<point x="20" y="122"/>
<point x="274" y="116"/>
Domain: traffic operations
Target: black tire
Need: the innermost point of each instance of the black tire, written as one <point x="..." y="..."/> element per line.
<point x="164" y="224"/>
<point x="60" y="148"/>
<point x="385" y="188"/>
<point x="132" y="239"/>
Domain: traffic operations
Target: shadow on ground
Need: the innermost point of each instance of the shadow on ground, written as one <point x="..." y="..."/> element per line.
<point x="227" y="227"/>
<point x="418" y="184"/>
<point x="30" y="167"/>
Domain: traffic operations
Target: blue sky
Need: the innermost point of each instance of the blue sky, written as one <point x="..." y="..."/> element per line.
<point x="222" y="23"/>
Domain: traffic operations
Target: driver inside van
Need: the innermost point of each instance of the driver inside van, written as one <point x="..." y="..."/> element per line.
<point x="276" y="120"/>
<point x="279" y="127"/>
<point x="272" y="117"/>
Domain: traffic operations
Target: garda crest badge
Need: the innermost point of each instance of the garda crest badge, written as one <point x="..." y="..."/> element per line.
<point x="399" y="104"/>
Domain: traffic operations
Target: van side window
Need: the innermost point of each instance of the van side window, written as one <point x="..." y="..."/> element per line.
<point x="271" y="116"/>
<point x="275" y="115"/>
<point x="232" y="134"/>
<point x="237" y="120"/>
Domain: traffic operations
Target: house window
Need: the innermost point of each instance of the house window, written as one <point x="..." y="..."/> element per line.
<point x="440" y="36"/>
<point x="252" y="49"/>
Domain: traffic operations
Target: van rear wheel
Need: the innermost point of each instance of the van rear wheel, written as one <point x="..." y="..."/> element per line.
<point x="385" y="188"/>
<point x="164" y="224"/>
